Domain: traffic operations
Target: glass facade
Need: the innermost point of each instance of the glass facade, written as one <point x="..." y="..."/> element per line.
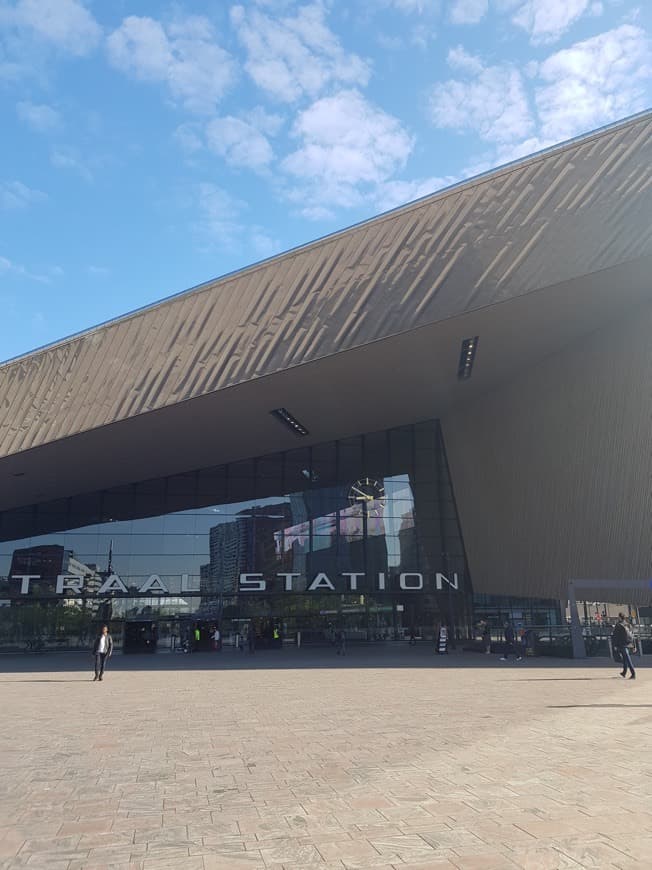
<point x="360" y="535"/>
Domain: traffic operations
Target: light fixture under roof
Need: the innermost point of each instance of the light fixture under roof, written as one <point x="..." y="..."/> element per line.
<point x="467" y="357"/>
<point x="284" y="416"/>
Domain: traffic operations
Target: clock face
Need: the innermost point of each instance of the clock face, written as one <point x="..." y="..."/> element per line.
<point x="369" y="494"/>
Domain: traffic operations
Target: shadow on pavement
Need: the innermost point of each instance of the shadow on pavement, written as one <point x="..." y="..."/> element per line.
<point x="78" y="680"/>
<point x="377" y="655"/>
<point x="555" y="679"/>
<point x="581" y="706"/>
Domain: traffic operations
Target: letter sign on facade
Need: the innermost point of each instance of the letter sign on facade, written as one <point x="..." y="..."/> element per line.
<point x="24" y="581"/>
<point x="321" y="581"/>
<point x="415" y="583"/>
<point x="112" y="584"/>
<point x="288" y="580"/>
<point x="154" y="584"/>
<point x="71" y="583"/>
<point x="440" y="579"/>
<point x="252" y="583"/>
<point x="353" y="578"/>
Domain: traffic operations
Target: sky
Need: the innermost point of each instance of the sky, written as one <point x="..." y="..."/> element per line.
<point x="147" y="147"/>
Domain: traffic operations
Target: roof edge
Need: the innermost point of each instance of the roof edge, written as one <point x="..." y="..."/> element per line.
<point x="442" y="193"/>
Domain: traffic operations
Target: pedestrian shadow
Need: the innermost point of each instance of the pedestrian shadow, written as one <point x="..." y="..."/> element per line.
<point x="80" y="680"/>
<point x="552" y="679"/>
<point x="578" y="706"/>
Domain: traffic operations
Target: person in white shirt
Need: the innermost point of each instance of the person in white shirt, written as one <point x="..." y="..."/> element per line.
<point x="102" y="650"/>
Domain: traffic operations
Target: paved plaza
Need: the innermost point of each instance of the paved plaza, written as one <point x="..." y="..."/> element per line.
<point x="390" y="758"/>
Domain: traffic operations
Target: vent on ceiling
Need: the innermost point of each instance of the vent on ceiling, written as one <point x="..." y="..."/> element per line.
<point x="467" y="357"/>
<point x="284" y="416"/>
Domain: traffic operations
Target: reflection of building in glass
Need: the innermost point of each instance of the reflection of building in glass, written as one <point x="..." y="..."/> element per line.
<point x="45" y="563"/>
<point x="244" y="544"/>
<point x="227" y="559"/>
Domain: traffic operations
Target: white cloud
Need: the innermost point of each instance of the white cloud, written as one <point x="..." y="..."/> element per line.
<point x="314" y="212"/>
<point x="411" y="5"/>
<point x="395" y="193"/>
<point x="263" y="244"/>
<point x="39" y="117"/>
<point x="188" y="137"/>
<point x="461" y="60"/>
<point x="547" y="20"/>
<point x="268" y="123"/>
<point x="98" y="271"/>
<point x="294" y="56"/>
<point x="593" y="82"/>
<point x="492" y="101"/>
<point x="184" y="55"/>
<point x="63" y="24"/>
<point x="221" y="226"/>
<point x="67" y="157"/>
<point x="140" y="46"/>
<point x="422" y="35"/>
<point x="220" y="213"/>
<point x="468" y="11"/>
<point x="9" y="267"/>
<point x="14" y="194"/>
<point x="348" y="148"/>
<point x="239" y="143"/>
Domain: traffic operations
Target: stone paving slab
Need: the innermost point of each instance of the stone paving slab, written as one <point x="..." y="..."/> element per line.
<point x="392" y="759"/>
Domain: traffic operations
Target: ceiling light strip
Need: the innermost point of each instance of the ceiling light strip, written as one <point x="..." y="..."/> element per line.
<point x="467" y="358"/>
<point x="284" y="416"/>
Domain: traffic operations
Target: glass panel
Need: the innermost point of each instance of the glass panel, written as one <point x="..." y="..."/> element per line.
<point x="324" y="465"/>
<point x="118" y="504"/>
<point x="17" y="524"/>
<point x="376" y="449"/>
<point x="349" y="460"/>
<point x="293" y="512"/>
<point x="425" y="435"/>
<point x="401" y="450"/>
<point x="212" y="486"/>
<point x="297" y="470"/>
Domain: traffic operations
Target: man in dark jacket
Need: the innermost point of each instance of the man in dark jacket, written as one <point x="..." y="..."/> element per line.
<point x="509" y="643"/>
<point x="621" y="640"/>
<point x="102" y="650"/>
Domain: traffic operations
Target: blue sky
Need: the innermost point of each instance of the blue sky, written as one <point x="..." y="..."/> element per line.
<point x="146" y="147"/>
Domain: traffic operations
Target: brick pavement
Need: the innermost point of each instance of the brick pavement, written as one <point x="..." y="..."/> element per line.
<point x="390" y="758"/>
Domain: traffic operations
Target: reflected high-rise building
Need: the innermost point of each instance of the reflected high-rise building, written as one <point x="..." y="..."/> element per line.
<point x="45" y="563"/>
<point x="245" y="544"/>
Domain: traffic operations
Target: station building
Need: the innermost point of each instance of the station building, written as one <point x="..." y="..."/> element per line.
<point x="442" y="412"/>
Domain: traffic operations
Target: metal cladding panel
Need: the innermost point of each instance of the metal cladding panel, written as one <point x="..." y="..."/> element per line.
<point x="566" y="213"/>
<point x="553" y="473"/>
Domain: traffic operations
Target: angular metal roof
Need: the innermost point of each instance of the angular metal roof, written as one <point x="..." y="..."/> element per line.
<point x="578" y="209"/>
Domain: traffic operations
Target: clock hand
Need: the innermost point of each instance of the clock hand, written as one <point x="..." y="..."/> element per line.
<point x="355" y="489"/>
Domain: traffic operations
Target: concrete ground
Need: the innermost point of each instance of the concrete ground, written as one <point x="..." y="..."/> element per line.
<point x="390" y="758"/>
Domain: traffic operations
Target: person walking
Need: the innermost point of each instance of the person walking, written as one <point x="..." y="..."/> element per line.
<point x="622" y="640"/>
<point x="251" y="639"/>
<point x="509" y="643"/>
<point x="485" y="634"/>
<point x="102" y="650"/>
<point x="341" y="642"/>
